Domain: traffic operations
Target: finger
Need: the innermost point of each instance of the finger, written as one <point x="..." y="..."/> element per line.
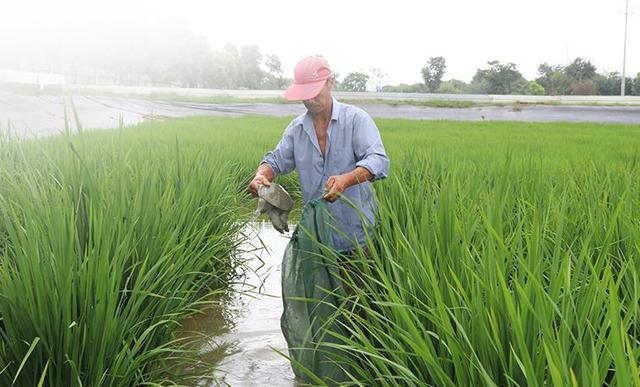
<point x="330" y="196"/>
<point x="258" y="181"/>
<point x="330" y="183"/>
<point x="255" y="184"/>
<point x="253" y="188"/>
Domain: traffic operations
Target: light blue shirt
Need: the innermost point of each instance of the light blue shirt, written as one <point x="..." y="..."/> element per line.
<point x="353" y="140"/>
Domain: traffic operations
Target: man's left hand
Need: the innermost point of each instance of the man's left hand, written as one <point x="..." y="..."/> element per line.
<point x="335" y="186"/>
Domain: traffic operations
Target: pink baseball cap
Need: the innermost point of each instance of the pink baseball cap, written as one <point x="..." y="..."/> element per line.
<point x="310" y="75"/>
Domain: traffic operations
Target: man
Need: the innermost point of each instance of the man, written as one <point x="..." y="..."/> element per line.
<point x="336" y="149"/>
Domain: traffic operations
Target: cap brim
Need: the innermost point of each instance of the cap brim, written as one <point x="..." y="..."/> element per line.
<point x="304" y="91"/>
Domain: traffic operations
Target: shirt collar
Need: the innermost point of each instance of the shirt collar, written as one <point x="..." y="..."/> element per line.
<point x="335" y="112"/>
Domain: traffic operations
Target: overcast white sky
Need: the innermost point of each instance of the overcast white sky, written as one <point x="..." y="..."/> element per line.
<point x="395" y="36"/>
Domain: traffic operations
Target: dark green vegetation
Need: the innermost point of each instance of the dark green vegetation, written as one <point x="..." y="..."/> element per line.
<point x="506" y="254"/>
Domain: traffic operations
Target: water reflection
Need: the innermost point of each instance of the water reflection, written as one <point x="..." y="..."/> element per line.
<point x="244" y="327"/>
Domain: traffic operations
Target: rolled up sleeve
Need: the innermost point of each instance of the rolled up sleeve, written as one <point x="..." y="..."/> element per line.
<point x="281" y="159"/>
<point x="368" y="147"/>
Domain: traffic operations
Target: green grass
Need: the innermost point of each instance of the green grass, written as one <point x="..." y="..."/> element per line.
<point x="107" y="241"/>
<point x="506" y="254"/>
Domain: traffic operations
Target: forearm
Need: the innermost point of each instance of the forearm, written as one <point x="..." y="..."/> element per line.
<point x="358" y="175"/>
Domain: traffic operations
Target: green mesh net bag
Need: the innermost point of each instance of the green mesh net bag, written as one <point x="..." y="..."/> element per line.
<point x="312" y="292"/>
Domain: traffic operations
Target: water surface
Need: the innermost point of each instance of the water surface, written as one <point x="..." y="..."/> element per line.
<point x="243" y="330"/>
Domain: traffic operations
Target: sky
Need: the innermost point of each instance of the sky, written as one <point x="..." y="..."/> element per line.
<point x="397" y="37"/>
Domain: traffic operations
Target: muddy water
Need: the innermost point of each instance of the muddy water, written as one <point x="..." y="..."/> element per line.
<point x="243" y="330"/>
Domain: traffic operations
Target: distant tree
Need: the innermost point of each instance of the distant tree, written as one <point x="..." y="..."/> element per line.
<point x="174" y="57"/>
<point x="479" y="85"/>
<point x="433" y="72"/>
<point x="580" y="69"/>
<point x="452" y="86"/>
<point x="629" y="84"/>
<point x="534" y="88"/>
<point x="584" y="87"/>
<point x="251" y="73"/>
<point x="544" y="70"/>
<point x="635" y="89"/>
<point x="274" y="76"/>
<point x="195" y="63"/>
<point x="376" y="78"/>
<point x="582" y="72"/>
<point x="609" y="83"/>
<point x="226" y="72"/>
<point x="235" y="68"/>
<point x="355" y="81"/>
<point x="336" y="75"/>
<point x="273" y="64"/>
<point x="554" y="80"/>
<point x="499" y="79"/>
<point x="405" y="88"/>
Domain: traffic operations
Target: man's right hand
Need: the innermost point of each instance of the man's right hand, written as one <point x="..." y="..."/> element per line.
<point x="257" y="180"/>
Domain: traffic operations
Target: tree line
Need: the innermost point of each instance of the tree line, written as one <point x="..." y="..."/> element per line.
<point x="579" y="77"/>
<point x="182" y="59"/>
<point x="173" y="56"/>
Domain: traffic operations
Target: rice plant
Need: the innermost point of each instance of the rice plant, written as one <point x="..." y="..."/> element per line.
<point x="503" y="264"/>
<point x="107" y="241"/>
<point x="506" y="254"/>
